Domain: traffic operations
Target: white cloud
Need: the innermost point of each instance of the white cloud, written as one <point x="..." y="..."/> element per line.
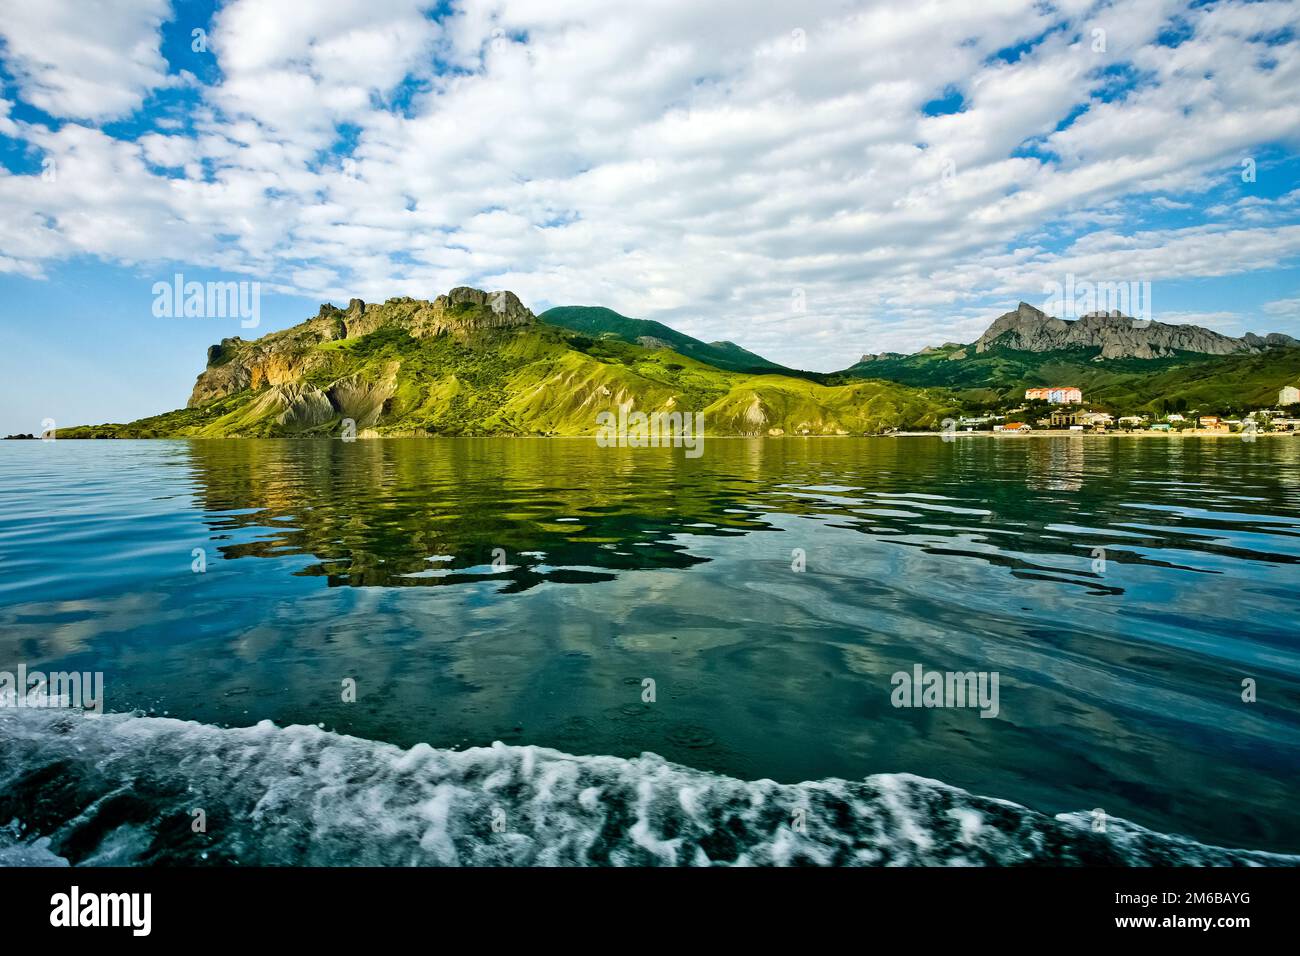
<point x="696" y="162"/>
<point x="300" y="69"/>
<point x="7" y="126"/>
<point x="84" y="60"/>
<point x="1284" y="308"/>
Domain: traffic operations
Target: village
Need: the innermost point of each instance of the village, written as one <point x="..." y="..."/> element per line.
<point x="1061" y="408"/>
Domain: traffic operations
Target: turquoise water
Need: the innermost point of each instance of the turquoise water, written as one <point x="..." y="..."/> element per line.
<point x="1120" y="672"/>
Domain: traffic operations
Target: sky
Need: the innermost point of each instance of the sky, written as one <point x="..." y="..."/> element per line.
<point x="812" y="181"/>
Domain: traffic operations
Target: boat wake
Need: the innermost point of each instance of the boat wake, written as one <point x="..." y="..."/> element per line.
<point x="125" y="790"/>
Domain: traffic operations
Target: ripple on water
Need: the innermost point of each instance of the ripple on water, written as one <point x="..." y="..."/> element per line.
<point x="690" y="736"/>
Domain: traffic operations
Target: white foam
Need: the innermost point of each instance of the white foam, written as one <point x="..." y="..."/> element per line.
<point x="123" y="789"/>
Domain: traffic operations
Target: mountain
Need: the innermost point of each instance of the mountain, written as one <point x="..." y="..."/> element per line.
<point x="477" y="363"/>
<point x="1125" y="366"/>
<point x="1028" y="329"/>
<point x="599" y="322"/>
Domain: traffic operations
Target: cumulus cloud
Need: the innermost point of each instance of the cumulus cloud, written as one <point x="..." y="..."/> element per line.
<point x="716" y="166"/>
<point x="300" y="70"/>
<point x="83" y="60"/>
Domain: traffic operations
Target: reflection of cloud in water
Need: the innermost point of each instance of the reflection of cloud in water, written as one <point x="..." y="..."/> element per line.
<point x="38" y="631"/>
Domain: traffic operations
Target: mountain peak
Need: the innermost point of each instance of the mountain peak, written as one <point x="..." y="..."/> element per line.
<point x="1029" y="329"/>
<point x="503" y="303"/>
<point x="278" y="357"/>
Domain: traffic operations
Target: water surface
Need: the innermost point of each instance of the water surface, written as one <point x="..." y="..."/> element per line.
<point x="522" y="591"/>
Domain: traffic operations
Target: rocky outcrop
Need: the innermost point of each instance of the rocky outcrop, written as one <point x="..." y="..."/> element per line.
<point x="363" y="401"/>
<point x="286" y="357"/>
<point x="1028" y="329"/>
<point x="504" y="309"/>
<point x="294" y="406"/>
<point x="223" y="351"/>
<point x="252" y="368"/>
<point x="217" y="382"/>
<point x="756" y="415"/>
<point x="1272" y="340"/>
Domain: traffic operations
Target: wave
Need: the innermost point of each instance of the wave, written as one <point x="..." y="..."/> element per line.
<point x="128" y="790"/>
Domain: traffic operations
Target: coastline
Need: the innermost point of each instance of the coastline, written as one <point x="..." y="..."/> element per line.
<point x="372" y="436"/>
<point x="1063" y="433"/>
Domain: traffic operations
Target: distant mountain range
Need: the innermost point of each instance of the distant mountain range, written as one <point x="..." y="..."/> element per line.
<point x="1120" y="363"/>
<point x="477" y="363"/>
<point x="1116" y="336"/>
<point x="1105" y="335"/>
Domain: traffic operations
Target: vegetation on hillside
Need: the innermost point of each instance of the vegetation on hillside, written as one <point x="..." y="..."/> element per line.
<point x="1218" y="383"/>
<point x="463" y="366"/>
<point x="598" y="322"/>
<point x="533" y="379"/>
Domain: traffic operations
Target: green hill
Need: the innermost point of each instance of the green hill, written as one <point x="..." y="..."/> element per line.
<point x="599" y="322"/>
<point x="473" y="363"/>
<point x="1219" y="383"/>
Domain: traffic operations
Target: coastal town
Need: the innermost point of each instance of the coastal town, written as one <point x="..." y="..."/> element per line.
<point x="1062" y="408"/>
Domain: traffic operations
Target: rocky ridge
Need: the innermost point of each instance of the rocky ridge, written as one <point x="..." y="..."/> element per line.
<point x="282" y="358"/>
<point x="1028" y="329"/>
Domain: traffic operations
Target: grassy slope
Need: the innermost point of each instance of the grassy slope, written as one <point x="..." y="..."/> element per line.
<point x="1209" y="382"/>
<point x="545" y="380"/>
<point x="596" y="321"/>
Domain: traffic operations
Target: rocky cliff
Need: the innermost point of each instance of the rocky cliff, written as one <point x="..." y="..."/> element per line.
<point x="1028" y="329"/>
<point x="283" y="358"/>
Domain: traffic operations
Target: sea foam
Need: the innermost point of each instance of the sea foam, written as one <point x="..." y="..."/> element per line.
<point x="125" y="790"/>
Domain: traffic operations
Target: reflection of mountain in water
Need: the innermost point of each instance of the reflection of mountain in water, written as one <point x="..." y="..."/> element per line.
<point x="406" y="513"/>
<point x="412" y="513"/>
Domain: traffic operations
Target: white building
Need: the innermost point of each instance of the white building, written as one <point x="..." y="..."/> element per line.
<point x="1290" y="395"/>
<point x="1055" y="394"/>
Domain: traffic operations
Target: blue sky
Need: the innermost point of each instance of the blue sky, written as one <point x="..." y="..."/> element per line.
<point x="812" y="181"/>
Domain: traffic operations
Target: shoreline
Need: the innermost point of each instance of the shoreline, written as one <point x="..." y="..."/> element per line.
<point x="1063" y="433"/>
<point x="949" y="436"/>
